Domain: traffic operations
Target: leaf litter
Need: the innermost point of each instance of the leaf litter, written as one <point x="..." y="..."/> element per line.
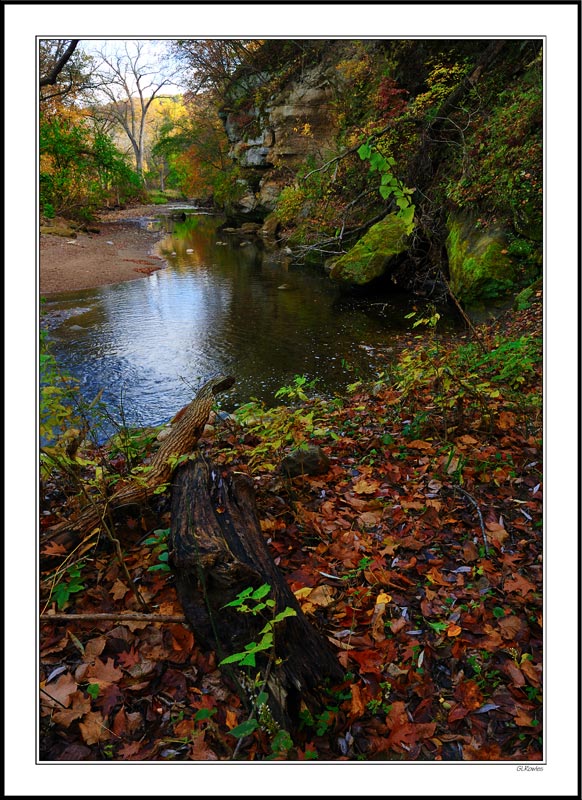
<point x="435" y="614"/>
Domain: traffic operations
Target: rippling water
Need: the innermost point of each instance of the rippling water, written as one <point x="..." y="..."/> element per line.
<point x="223" y="304"/>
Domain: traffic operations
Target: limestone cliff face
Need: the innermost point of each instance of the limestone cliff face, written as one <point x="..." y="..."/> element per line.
<point x="271" y="141"/>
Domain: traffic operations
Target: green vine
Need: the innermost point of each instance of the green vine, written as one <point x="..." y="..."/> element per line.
<point x="390" y="185"/>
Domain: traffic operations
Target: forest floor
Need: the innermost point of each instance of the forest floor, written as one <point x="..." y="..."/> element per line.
<point x="121" y="250"/>
<point x="418" y="555"/>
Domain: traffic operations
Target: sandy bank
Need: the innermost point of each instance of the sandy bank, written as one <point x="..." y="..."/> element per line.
<point x="121" y="251"/>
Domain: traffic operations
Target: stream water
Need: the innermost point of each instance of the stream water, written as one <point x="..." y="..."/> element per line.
<point x="223" y="304"/>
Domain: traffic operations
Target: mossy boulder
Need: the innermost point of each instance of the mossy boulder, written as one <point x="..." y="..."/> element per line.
<point x="371" y="256"/>
<point x="480" y="265"/>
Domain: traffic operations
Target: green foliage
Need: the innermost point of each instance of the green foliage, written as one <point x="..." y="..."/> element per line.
<point x="466" y="378"/>
<point x="68" y="582"/>
<point x="280" y="427"/>
<point x="296" y="391"/>
<point x="512" y="362"/>
<point x="502" y="162"/>
<point x="59" y="394"/>
<point x="390" y="185"/>
<point x="250" y="601"/>
<point x="81" y="170"/>
<point x="159" y="542"/>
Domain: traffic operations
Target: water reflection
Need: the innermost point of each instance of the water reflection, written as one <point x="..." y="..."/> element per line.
<point x="216" y="308"/>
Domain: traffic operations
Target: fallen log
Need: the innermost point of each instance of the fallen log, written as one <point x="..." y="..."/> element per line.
<point x="182" y="439"/>
<point x="217" y="551"/>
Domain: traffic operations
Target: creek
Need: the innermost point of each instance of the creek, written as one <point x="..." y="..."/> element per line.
<point x="224" y="303"/>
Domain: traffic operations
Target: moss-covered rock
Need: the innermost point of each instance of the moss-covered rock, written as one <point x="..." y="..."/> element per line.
<point x="480" y="266"/>
<point x="370" y="257"/>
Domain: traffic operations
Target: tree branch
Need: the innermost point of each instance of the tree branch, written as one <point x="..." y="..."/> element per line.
<point x="51" y="78"/>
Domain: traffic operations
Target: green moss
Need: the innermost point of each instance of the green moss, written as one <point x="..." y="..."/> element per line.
<point x="480" y="266"/>
<point x="371" y="255"/>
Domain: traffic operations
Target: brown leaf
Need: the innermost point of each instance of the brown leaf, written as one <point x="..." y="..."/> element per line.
<point x="532" y="672"/>
<point x="515" y="674"/>
<point x="182" y="638"/>
<point x="130" y="751"/>
<point x="124" y="723"/>
<point x="80" y="705"/>
<point x="366" y="487"/>
<point x="129" y="658"/>
<point x="358" y="705"/>
<point x="53" y="549"/>
<point x="93" y="729"/>
<point x="419" y="444"/>
<point x="466" y="439"/>
<point x="104" y="674"/>
<point x="94" y="648"/>
<point x="510" y="626"/>
<point x="200" y="751"/>
<point x="523" y="718"/>
<point x="496" y="533"/>
<point x="58" y="693"/>
<point x="371" y="518"/>
<point x="470" y="552"/>
<point x="119" y="590"/>
<point x="397" y="624"/>
<point x="469" y="694"/>
<point x="517" y="583"/>
<point x="506" y="420"/>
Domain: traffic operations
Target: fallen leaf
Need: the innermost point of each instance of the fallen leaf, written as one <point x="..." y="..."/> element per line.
<point x="506" y="420"/>
<point x="517" y="583"/>
<point x="58" y="693"/>
<point x="466" y="439"/>
<point x="94" y="648"/>
<point x="453" y="630"/>
<point x="515" y="674"/>
<point x="93" y="729"/>
<point x="80" y="705"/>
<point x="322" y="595"/>
<point x="119" y="590"/>
<point x="53" y="549"/>
<point x="366" y="487"/>
<point x="358" y="705"/>
<point x="104" y="674"/>
<point x="397" y="625"/>
<point x="510" y="626"/>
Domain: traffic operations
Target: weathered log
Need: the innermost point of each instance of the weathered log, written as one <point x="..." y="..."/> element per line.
<point x="217" y="551"/>
<point x="183" y="437"/>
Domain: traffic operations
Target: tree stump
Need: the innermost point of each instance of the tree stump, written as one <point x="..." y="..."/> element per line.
<point x="217" y="551"/>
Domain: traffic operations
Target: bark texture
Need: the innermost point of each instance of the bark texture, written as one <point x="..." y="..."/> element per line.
<point x="217" y="550"/>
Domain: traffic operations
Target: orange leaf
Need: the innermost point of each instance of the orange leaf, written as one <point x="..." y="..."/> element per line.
<point x="358" y="704"/>
<point x="453" y="630"/>
<point x="58" y="693"/>
<point x="81" y="705"/>
<point x="93" y="729"/>
<point x="104" y="674"/>
<point x="419" y="444"/>
<point x="517" y="583"/>
<point x="366" y="487"/>
<point x="118" y="590"/>
<point x="231" y="719"/>
<point x="53" y="549"/>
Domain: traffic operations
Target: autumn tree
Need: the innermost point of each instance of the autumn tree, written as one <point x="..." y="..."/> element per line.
<point x="129" y="85"/>
<point x="195" y="147"/>
<point x="64" y="72"/>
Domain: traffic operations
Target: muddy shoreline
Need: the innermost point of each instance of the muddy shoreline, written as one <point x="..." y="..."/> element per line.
<point x="121" y="251"/>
